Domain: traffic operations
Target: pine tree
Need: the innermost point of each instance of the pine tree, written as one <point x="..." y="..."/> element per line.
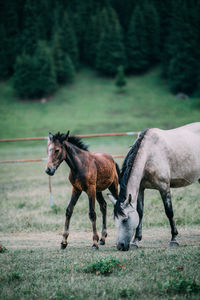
<point x="136" y="42"/>
<point x="64" y="67"/>
<point x="182" y="59"/>
<point x="152" y="31"/>
<point x="120" y="81"/>
<point x="68" y="40"/>
<point x="44" y="19"/>
<point x="91" y="40"/>
<point x="110" y="49"/>
<point x="142" y="42"/>
<point x="10" y="31"/>
<point x="4" y="63"/>
<point x="69" y="69"/>
<point x="30" y="34"/>
<point x="34" y="75"/>
<point x="124" y="10"/>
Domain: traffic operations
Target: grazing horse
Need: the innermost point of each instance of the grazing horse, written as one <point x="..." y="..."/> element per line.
<point x="89" y="172"/>
<point x="159" y="159"/>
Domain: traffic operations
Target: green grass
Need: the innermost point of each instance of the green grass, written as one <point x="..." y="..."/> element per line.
<point x="144" y="274"/>
<point x="91" y="105"/>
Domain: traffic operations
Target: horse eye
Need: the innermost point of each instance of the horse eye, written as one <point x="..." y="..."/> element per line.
<point x="125" y="220"/>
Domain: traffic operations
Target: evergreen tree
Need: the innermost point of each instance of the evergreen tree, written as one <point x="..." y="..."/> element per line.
<point x="182" y="58"/>
<point x="124" y="10"/>
<point x="164" y="10"/>
<point x="80" y="13"/>
<point x="34" y="76"/>
<point x="142" y="42"/>
<point x="69" y="69"/>
<point x="68" y="40"/>
<point x="91" y="40"/>
<point x="110" y="49"/>
<point x="152" y="31"/>
<point x="4" y="63"/>
<point x="44" y="19"/>
<point x="64" y="67"/>
<point x="10" y="31"/>
<point x="31" y="33"/>
<point x="120" y="78"/>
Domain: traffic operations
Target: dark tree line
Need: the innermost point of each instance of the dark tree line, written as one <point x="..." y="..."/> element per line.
<point x="43" y="43"/>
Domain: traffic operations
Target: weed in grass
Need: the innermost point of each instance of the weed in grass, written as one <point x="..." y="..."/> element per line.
<point x="180" y="285"/>
<point x="55" y="209"/>
<point x="104" y="266"/>
<point x="14" y="276"/>
<point x="21" y="205"/>
<point x="64" y="296"/>
<point x="2" y="249"/>
<point x="127" y="293"/>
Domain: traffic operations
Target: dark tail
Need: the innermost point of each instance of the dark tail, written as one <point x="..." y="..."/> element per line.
<point x="118" y="172"/>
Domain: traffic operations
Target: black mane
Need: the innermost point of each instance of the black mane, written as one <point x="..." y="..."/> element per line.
<point x="126" y="171"/>
<point x="71" y="139"/>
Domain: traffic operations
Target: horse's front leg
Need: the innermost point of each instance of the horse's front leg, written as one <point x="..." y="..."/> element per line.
<point x="166" y="197"/>
<point x="140" y="208"/>
<point x="91" y="192"/>
<point x="103" y="208"/>
<point x="74" y="197"/>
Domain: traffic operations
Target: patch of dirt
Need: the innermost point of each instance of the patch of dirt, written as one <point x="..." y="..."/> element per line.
<point x="152" y="238"/>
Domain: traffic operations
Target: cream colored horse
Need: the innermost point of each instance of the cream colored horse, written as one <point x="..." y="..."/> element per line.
<point x="159" y="159"/>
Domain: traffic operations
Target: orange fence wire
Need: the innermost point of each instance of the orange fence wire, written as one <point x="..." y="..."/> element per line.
<point x="45" y="138"/>
<point x="79" y="135"/>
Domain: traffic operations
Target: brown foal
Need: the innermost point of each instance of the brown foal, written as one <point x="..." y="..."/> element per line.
<point x="89" y="172"/>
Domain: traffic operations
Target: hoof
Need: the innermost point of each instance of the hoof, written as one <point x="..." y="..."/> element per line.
<point x="173" y="244"/>
<point x="63" y="246"/>
<point x="94" y="247"/>
<point x="134" y="246"/>
<point x="101" y="242"/>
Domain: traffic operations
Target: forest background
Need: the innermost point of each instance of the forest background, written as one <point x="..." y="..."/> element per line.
<point x="44" y="43"/>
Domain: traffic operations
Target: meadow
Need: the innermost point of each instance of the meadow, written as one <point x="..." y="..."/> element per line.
<point x="32" y="266"/>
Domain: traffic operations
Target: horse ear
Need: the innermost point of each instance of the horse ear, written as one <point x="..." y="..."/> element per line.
<point x="129" y="199"/>
<point x="112" y="199"/>
<point x="50" y="136"/>
<point x="65" y="136"/>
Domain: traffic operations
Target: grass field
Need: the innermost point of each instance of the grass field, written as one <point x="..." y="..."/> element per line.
<point x="33" y="266"/>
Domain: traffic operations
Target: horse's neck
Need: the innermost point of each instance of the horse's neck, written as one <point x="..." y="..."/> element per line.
<point x="72" y="157"/>
<point x="136" y="176"/>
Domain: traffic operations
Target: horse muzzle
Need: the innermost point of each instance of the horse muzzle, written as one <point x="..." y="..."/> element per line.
<point x="123" y="246"/>
<point x="50" y="171"/>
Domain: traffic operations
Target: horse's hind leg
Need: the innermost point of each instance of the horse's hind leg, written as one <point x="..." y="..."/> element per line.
<point x="113" y="188"/>
<point x="69" y="211"/>
<point x="140" y="207"/>
<point x="103" y="208"/>
<point x="166" y="197"/>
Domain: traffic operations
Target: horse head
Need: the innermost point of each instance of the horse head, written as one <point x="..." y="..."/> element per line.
<point x="55" y="151"/>
<point x="126" y="221"/>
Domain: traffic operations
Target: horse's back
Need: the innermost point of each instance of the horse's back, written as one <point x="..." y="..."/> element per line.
<point x="106" y="170"/>
<point x="192" y="127"/>
<point x="176" y="153"/>
<point x="179" y="139"/>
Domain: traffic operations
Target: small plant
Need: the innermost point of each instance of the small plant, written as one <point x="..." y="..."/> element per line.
<point x="127" y="293"/>
<point x="104" y="266"/>
<point x="14" y="276"/>
<point x="21" y="205"/>
<point x="55" y="209"/>
<point x="120" y="81"/>
<point x="2" y="249"/>
<point x="182" y="285"/>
